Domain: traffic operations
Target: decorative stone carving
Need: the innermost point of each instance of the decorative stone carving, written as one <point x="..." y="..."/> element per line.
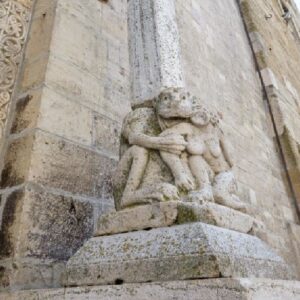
<point x="14" y="17"/>
<point x="174" y="150"/>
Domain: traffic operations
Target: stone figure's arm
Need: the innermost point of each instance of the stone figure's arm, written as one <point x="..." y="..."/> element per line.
<point x="173" y="144"/>
<point x="181" y="128"/>
<point x="134" y="132"/>
<point x="226" y="150"/>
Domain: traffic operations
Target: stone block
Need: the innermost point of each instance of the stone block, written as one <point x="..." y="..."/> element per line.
<point x="180" y="252"/>
<point x="74" y="37"/>
<point x="72" y="82"/>
<point x="27" y="111"/>
<point x="42" y="25"/>
<point x="17" y="161"/>
<point x="106" y="134"/>
<point x="61" y="164"/>
<point x="58" y="163"/>
<point x="65" y="118"/>
<point x="30" y="273"/>
<point x="165" y="214"/>
<point x="138" y="218"/>
<point x="33" y="73"/>
<point x="43" y="224"/>
<point x="209" y="289"/>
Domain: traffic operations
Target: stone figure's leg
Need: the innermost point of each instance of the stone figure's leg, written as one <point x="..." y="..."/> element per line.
<point x="139" y="158"/>
<point x="202" y="174"/>
<point x="129" y="174"/>
<point x="224" y="189"/>
<point x="182" y="179"/>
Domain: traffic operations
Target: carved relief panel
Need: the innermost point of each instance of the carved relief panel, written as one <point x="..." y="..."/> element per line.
<point x="14" y="21"/>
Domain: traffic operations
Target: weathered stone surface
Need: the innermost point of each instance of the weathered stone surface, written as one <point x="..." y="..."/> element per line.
<point x="25" y="273"/>
<point x="141" y="217"/>
<point x="164" y="214"/>
<point x="215" y="214"/>
<point x="187" y="141"/>
<point x="106" y="134"/>
<point x="155" y="56"/>
<point x="209" y="289"/>
<point x="195" y="250"/>
<point x="52" y="226"/>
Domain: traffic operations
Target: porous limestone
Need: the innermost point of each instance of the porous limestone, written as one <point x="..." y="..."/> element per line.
<point x="180" y="252"/>
<point x="163" y="214"/>
<point x="209" y="289"/>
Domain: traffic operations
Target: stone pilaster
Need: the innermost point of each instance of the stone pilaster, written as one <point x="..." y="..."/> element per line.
<point x="58" y="166"/>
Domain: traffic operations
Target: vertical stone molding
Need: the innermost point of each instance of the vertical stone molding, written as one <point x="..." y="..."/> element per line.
<point x="154" y="48"/>
<point x="14" y="20"/>
<point x="280" y="81"/>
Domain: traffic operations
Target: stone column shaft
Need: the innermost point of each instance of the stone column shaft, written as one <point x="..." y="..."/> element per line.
<point x="154" y="48"/>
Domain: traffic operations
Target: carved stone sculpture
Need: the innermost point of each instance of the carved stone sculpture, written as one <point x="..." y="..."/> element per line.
<point x="14" y="18"/>
<point x="174" y="164"/>
<point x="174" y="150"/>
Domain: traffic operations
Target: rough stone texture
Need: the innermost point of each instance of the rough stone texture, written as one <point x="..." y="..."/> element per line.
<point x="74" y="78"/>
<point x="185" y="139"/>
<point x="210" y="289"/>
<point x="281" y="79"/>
<point x="218" y="66"/>
<point x="180" y="252"/>
<point x="46" y="217"/>
<point x="161" y="214"/>
<point x="155" y="57"/>
<point x="31" y="272"/>
<point x="165" y="214"/>
<point x="75" y="81"/>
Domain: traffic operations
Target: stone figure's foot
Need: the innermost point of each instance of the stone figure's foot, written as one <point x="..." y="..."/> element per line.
<point x="158" y="193"/>
<point x="166" y="192"/>
<point x="233" y="202"/>
<point x="133" y="200"/>
<point x="185" y="183"/>
<point x="201" y="196"/>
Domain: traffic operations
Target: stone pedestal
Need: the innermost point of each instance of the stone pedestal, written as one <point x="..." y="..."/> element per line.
<point x="181" y="252"/>
<point x="163" y="214"/>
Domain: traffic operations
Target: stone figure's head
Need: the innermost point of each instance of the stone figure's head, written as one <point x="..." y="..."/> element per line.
<point x="203" y="117"/>
<point x="176" y="103"/>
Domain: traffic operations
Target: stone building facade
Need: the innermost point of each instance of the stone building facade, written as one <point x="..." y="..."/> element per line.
<point x="71" y="70"/>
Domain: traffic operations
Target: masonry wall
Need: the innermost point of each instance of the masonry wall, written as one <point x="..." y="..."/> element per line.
<point x="220" y="68"/>
<point x="73" y="93"/>
<point x="64" y="138"/>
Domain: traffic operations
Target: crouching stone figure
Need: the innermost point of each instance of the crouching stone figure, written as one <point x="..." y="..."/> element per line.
<point x="174" y="150"/>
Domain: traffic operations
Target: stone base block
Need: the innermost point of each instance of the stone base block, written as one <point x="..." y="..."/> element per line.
<point x="165" y="214"/>
<point x="210" y="289"/>
<point x="179" y="252"/>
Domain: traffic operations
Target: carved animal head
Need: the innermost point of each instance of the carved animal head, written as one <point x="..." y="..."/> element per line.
<point x="176" y="103"/>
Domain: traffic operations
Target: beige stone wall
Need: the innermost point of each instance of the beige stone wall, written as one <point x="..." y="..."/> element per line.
<point x="73" y="93"/>
<point x="219" y="67"/>
<point x="63" y="145"/>
<point x="276" y="43"/>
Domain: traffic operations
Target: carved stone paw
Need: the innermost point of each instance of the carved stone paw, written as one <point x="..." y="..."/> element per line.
<point x="167" y="192"/>
<point x="202" y="196"/>
<point x="185" y="183"/>
<point x="232" y="201"/>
